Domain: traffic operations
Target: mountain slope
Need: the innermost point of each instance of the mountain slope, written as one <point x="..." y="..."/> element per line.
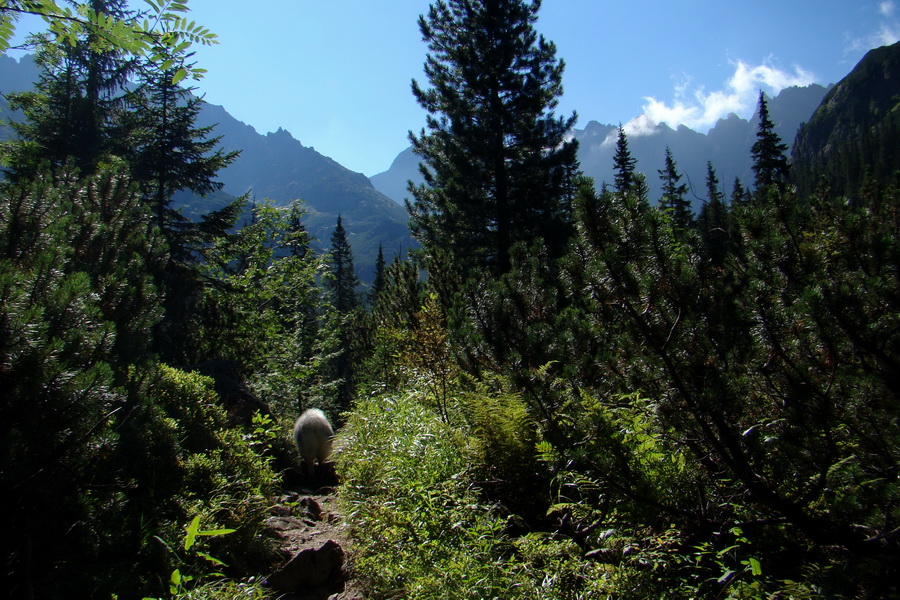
<point x="854" y="131"/>
<point x="277" y="167"/>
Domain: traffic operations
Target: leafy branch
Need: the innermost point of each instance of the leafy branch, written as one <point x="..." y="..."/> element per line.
<point x="159" y="34"/>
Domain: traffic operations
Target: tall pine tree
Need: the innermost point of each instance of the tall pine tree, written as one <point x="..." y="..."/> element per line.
<point x="342" y="284"/>
<point x="770" y="164"/>
<point x="378" y="282"/>
<point x="74" y="111"/>
<point x="343" y="281"/>
<point x="170" y="154"/>
<point x="497" y="166"/>
<point x="714" y="222"/>
<point x="674" y="193"/>
<point x="623" y="164"/>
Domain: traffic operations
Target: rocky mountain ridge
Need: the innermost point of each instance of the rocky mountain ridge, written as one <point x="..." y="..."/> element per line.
<point x="727" y="145"/>
<point x="276" y="167"/>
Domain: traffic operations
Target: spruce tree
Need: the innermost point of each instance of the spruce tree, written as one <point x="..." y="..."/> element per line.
<point x="74" y="111"/>
<point x="770" y="165"/>
<point x="343" y="281"/>
<point x="497" y="165"/>
<point x="623" y="164"/>
<point x="739" y="194"/>
<point x="378" y="282"/>
<point x="297" y="240"/>
<point x="713" y="221"/>
<point x="170" y="154"/>
<point x="674" y="192"/>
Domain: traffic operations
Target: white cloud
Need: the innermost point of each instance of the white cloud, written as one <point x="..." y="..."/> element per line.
<point x="700" y="109"/>
<point x="636" y="127"/>
<point x="888" y="34"/>
<point x="888" y="31"/>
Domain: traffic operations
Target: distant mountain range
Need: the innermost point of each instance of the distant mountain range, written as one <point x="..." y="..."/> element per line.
<point x="727" y="145"/>
<point x="277" y="167"/>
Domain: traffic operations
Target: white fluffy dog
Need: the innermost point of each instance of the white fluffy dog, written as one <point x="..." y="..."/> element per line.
<point x="313" y="435"/>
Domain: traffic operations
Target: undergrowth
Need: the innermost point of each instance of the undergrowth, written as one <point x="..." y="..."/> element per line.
<point x="423" y="529"/>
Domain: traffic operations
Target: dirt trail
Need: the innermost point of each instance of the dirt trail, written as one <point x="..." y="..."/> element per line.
<point x="315" y="541"/>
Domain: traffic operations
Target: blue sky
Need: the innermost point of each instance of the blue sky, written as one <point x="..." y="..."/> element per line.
<point x="337" y="73"/>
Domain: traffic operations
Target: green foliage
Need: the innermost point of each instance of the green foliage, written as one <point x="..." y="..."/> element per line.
<point x="219" y="478"/>
<point x="154" y="34"/>
<point x="497" y="163"/>
<point x="755" y="376"/>
<point x="770" y="163"/>
<point x="502" y="439"/>
<point x="674" y="193"/>
<point x="77" y="307"/>
<point x="341" y="282"/>
<point x="388" y="328"/>
<point x="263" y="309"/>
<point x="420" y="530"/>
<point x="180" y="581"/>
<point x="97" y="441"/>
<point x="428" y="358"/>
<point x="623" y="164"/>
<point x="169" y="154"/>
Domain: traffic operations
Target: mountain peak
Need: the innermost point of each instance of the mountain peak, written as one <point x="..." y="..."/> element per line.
<point x="727" y="145"/>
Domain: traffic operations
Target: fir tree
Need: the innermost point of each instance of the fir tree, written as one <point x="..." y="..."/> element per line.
<point x="297" y="235"/>
<point x="497" y="165"/>
<point x="739" y="194"/>
<point x="171" y="154"/>
<point x="623" y="164"/>
<point x="74" y="111"/>
<point x="343" y="281"/>
<point x="713" y="221"/>
<point x="378" y="282"/>
<point x="673" y="193"/>
<point x="770" y="165"/>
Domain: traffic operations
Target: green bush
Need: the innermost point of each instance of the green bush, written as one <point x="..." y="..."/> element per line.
<point x="222" y="478"/>
<point x="421" y="527"/>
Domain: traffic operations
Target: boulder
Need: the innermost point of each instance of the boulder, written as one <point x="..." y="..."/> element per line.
<point x="314" y="572"/>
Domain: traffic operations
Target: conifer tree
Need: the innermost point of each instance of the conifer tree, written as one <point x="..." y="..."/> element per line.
<point x="343" y="282"/>
<point x="739" y="193"/>
<point x="378" y="282"/>
<point x="169" y="153"/>
<point x="770" y="165"/>
<point x="497" y="166"/>
<point x="297" y="240"/>
<point x="74" y="110"/>
<point x="713" y="221"/>
<point x="674" y="192"/>
<point x="623" y="164"/>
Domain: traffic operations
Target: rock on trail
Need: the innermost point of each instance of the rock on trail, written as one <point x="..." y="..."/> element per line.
<point x="314" y="540"/>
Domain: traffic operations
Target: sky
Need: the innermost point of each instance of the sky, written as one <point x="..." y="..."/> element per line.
<point x="336" y="74"/>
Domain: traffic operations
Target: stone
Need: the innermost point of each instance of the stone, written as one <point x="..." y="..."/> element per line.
<point x="311" y="569"/>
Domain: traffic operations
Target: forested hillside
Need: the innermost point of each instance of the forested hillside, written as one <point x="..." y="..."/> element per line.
<point x="852" y="137"/>
<point x="273" y="167"/>
<point x="567" y="392"/>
